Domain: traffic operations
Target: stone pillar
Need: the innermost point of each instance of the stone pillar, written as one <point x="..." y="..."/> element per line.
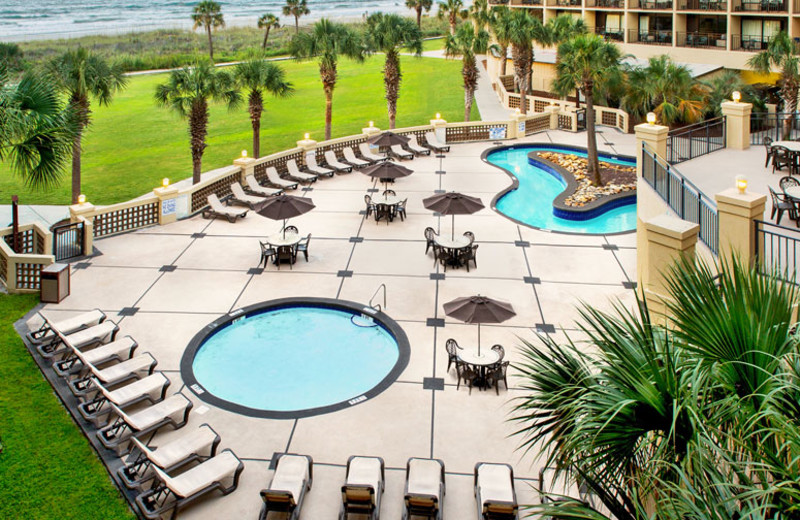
<point x="248" y="166"/>
<point x="517" y="126"/>
<point x="81" y="210"/>
<point x="439" y="128"/>
<point x="167" y="203"/>
<point x="84" y="213"/>
<point x="88" y="235"/>
<point x="371" y="130"/>
<point x="737" y="124"/>
<point x="553" y="110"/>
<point x="668" y="239"/>
<point x="737" y="233"/>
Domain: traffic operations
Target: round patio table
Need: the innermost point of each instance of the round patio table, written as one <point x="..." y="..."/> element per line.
<point x="389" y="200"/>
<point x="454" y="243"/>
<point x="792" y="146"/>
<point x="279" y="240"/>
<point x="793" y="192"/>
<point x="485" y="359"/>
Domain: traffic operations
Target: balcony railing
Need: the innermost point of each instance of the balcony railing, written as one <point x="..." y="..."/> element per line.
<point x="743" y="42"/>
<point x="527" y="2"/>
<point x="498" y="2"/>
<point x="650" y="4"/>
<point x="615" y="4"/>
<point x="702" y="40"/>
<point x="564" y="3"/>
<point x="650" y="37"/>
<point x="610" y="34"/>
<point x="702" y="5"/>
<point x="760" y="6"/>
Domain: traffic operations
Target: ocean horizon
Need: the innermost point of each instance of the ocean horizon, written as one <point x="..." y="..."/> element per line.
<point x="22" y="20"/>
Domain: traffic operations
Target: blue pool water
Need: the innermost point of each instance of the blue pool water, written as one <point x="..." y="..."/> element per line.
<point x="532" y="202"/>
<point x="296" y="358"/>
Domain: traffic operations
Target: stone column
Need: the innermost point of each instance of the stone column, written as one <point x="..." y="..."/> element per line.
<point x="737" y="124"/>
<point x="248" y="165"/>
<point x="84" y="213"/>
<point x="167" y="203"/>
<point x="737" y="233"/>
<point x="656" y="138"/>
<point x="439" y="128"/>
<point x="517" y="126"/>
<point x="553" y="110"/>
<point x="668" y="239"/>
<point x="371" y="130"/>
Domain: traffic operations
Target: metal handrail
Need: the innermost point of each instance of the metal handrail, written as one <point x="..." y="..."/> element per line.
<point x="378" y="306"/>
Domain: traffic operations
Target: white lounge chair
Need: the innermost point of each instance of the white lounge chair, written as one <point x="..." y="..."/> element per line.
<point x="397" y="151"/>
<point x="254" y="187"/>
<point x="253" y="202"/>
<point x="295" y="174"/>
<point x="435" y="144"/>
<point x="152" y="388"/>
<point x="199" y="444"/>
<point x="118" y="350"/>
<point x="216" y="209"/>
<point x="333" y="162"/>
<point x="292" y="479"/>
<point x="366" y="153"/>
<point x="45" y="335"/>
<point x="494" y="491"/>
<point x="173" y="493"/>
<point x="362" y="491"/>
<point x="415" y="147"/>
<point x="313" y="167"/>
<point x="173" y="411"/>
<point x="424" y="488"/>
<point x="279" y="182"/>
<point x="133" y="368"/>
<point x="350" y="156"/>
<point x="82" y="339"/>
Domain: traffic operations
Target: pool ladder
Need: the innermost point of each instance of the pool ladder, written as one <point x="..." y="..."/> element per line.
<point x="377" y="306"/>
<point x="367" y="318"/>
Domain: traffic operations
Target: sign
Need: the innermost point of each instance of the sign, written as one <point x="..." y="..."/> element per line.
<point x="168" y="207"/>
<point x="499" y="132"/>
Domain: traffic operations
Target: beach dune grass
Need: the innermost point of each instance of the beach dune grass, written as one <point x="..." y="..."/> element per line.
<point x="132" y="144"/>
<point x="47" y="468"/>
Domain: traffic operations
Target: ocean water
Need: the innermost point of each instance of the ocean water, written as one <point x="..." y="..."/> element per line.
<point x="40" y="19"/>
<point x="532" y="201"/>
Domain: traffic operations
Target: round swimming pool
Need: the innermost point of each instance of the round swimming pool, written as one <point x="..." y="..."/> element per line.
<point x="530" y="202"/>
<point x="295" y="357"/>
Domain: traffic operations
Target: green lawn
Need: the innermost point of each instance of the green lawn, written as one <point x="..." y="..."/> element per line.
<point x="132" y="144"/>
<point x="433" y="45"/>
<point x="47" y="468"/>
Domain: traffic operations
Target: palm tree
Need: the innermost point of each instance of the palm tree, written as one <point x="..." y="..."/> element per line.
<point x="258" y="77"/>
<point x="296" y="8"/>
<point x="480" y="13"/>
<point x="326" y="42"/>
<point x="586" y="61"/>
<point x="500" y="26"/>
<point x="466" y="43"/>
<point x="83" y="76"/>
<point x="208" y="14"/>
<point x="690" y="421"/>
<point x="780" y="55"/>
<point x="523" y="30"/>
<point x="268" y="21"/>
<point x="188" y="92"/>
<point x="452" y="10"/>
<point x="721" y="87"/>
<point x="666" y="88"/>
<point x="37" y="129"/>
<point x="389" y="33"/>
<point x="419" y="6"/>
<point x="560" y="29"/>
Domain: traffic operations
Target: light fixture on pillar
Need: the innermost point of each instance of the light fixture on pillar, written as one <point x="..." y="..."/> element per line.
<point x="438" y="116"/>
<point x="165" y="182"/>
<point x="651" y="118"/>
<point x="244" y="154"/>
<point x="372" y="124"/>
<point x="741" y="183"/>
<point x="306" y="136"/>
<point x="736" y="96"/>
<point x="81" y="199"/>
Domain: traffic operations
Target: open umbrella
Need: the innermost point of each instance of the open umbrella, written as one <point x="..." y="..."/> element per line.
<point x="453" y="203"/>
<point x="284" y="207"/>
<point x="386" y="170"/>
<point x="479" y="309"/>
<point x="387" y="139"/>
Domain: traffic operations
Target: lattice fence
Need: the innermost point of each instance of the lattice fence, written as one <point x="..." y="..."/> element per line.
<point x="27" y="242"/>
<point x="28" y="276"/>
<point x="608" y="118"/>
<point x="513" y="102"/>
<point x="125" y="219"/>
<point x="39" y="243"/>
<point x="539" y="105"/>
<point x="260" y="170"/>
<point x="3" y="268"/>
<point x="538" y="124"/>
<point x="508" y="83"/>
<point x="221" y="187"/>
<point x="459" y="134"/>
<point x="565" y="122"/>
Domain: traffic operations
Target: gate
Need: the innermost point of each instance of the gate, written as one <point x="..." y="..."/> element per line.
<point x="68" y="240"/>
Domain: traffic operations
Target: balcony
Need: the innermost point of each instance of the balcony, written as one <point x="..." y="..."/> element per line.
<point x="702" y="5"/>
<point x="527" y="2"/>
<point x="650" y="37"/>
<point x="743" y="42"/>
<point x="564" y="3"/>
<point x="614" y="4"/>
<point x="760" y="6"/>
<point x="665" y="5"/>
<point x="498" y="2"/>
<point x="702" y="40"/>
<point x="610" y="34"/>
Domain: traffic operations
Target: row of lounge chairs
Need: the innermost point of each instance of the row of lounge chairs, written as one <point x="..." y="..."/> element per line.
<point x="122" y="395"/>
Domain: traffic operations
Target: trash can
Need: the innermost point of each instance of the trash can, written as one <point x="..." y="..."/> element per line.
<point x="55" y="283"/>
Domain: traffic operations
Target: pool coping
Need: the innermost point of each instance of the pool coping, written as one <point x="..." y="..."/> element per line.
<point x="610" y="202"/>
<point x="381" y="319"/>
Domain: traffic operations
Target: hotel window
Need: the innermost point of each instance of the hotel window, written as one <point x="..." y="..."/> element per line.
<point x="614" y="23"/>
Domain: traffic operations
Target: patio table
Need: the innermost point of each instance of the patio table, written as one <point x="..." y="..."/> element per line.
<point x="279" y="240"/>
<point x="452" y="243"/>
<point x="792" y="146"/>
<point x="793" y="192"/>
<point x="485" y="359"/>
<point x="385" y="206"/>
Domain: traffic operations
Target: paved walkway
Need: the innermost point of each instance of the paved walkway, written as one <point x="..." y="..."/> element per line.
<point x="47" y="215"/>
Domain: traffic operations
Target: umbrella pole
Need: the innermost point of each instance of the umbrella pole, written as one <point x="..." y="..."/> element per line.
<point x="479" y="340"/>
<point x="284" y="228"/>
<point x="453" y="228"/>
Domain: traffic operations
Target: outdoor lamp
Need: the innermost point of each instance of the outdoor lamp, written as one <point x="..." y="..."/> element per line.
<point x="244" y="153"/>
<point x="371" y="124"/>
<point x="651" y="118"/>
<point x="81" y="199"/>
<point x="741" y="183"/>
<point x="165" y="182"/>
<point x="305" y="136"/>
<point x="438" y="116"/>
<point x="736" y="96"/>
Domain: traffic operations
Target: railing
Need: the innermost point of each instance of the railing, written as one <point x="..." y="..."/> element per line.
<point x="564" y="3"/>
<point x="537" y="123"/>
<point x="683" y="197"/>
<point x="777" y="249"/>
<point x="650" y="37"/>
<point x="693" y="141"/>
<point x="68" y="240"/>
<point x="19" y="271"/>
<point x="616" y="4"/>
<point x="775" y="125"/>
<point x="703" y="40"/>
<point x="760" y="6"/>
<point x="127" y="216"/>
<point x="616" y="35"/>
<point x="378" y="305"/>
<point x="702" y="5"/>
<point x="527" y="2"/>
<point x="743" y="42"/>
<point x="485" y="131"/>
<point x="651" y="4"/>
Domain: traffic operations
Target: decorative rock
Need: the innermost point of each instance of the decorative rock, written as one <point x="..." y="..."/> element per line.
<point x="624" y="178"/>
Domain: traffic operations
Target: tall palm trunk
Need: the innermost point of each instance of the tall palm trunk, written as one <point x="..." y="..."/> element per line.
<point x="522" y="75"/>
<point x="81" y="106"/>
<point x="419" y="16"/>
<point x="210" y="43"/>
<point x="256" y="107"/>
<point x="789" y="96"/>
<point x="198" y="129"/>
<point x="266" y="36"/>
<point x="296" y="24"/>
<point x="593" y="164"/>
<point x="470" y="73"/>
<point x="391" y="81"/>
<point x="453" y="22"/>
<point x="504" y="50"/>
<point x="328" y="75"/>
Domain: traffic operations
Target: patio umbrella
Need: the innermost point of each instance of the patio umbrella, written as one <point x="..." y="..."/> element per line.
<point x="284" y="207"/>
<point x="453" y="203"/>
<point x="387" y="139"/>
<point x="386" y="170"/>
<point x="479" y="309"/>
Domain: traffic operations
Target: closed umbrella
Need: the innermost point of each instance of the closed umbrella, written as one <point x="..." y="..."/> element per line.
<point x="386" y="170"/>
<point x="284" y="207"/>
<point x="453" y="203"/>
<point x="479" y="309"/>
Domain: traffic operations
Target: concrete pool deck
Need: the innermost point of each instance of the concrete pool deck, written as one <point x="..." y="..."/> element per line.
<point x="163" y="284"/>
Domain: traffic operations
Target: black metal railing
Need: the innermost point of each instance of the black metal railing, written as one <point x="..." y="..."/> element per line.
<point x="650" y="37"/>
<point x="702" y="5"/>
<point x="68" y="241"/>
<point x="696" y="140"/>
<point x="743" y="42"/>
<point x="617" y="4"/>
<point x="610" y="34"/>
<point x="704" y="40"/>
<point x="776" y="125"/>
<point x="760" y="6"/>
<point x="650" y="4"/>
<point x="777" y="249"/>
<point x="683" y="197"/>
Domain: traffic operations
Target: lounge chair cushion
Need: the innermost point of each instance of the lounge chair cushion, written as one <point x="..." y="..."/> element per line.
<point x="177" y="450"/>
<point x="424" y="477"/>
<point x="199" y="477"/>
<point x="291" y="475"/>
<point x="120" y="371"/>
<point x="134" y="391"/>
<point x="118" y="349"/>
<point x="494" y="481"/>
<point x="152" y="415"/>
<point x="92" y="335"/>
<point x="83" y="320"/>
<point x="365" y="471"/>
